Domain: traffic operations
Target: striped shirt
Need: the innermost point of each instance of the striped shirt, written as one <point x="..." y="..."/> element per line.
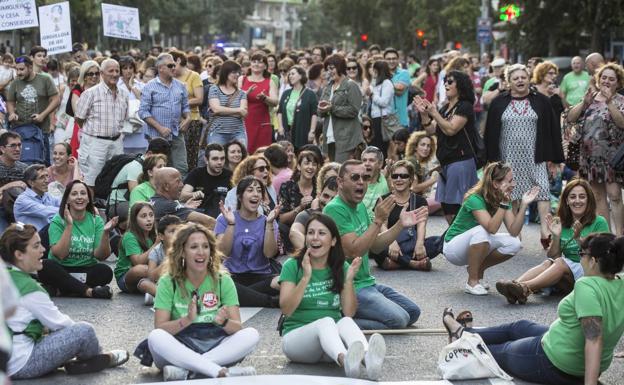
<point x="227" y="123"/>
<point x="102" y="110"/>
<point x="165" y="103"/>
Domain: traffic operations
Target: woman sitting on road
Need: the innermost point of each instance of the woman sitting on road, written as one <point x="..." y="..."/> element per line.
<point x="576" y="219"/>
<point x="318" y="300"/>
<point x="420" y="150"/>
<point x="196" y="305"/>
<point x="472" y="238"/>
<point x="259" y="167"/>
<point x="63" y="170"/>
<point x="43" y="337"/>
<point x="249" y="239"/>
<point x="579" y="345"/>
<point x="79" y="240"/>
<point x="145" y="190"/>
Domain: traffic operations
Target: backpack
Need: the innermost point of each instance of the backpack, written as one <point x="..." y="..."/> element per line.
<point x="32" y="143"/>
<point x="112" y="167"/>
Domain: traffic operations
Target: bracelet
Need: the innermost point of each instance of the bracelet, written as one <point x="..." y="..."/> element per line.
<point x="231" y="224"/>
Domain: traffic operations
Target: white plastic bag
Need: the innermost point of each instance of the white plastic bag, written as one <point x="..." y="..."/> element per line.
<point x="469" y="358"/>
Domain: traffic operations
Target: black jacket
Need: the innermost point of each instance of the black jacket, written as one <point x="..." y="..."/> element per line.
<point x="548" y="146"/>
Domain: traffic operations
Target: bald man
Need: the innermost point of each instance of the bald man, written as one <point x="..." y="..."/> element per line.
<point x="575" y="83"/>
<point x="168" y="185"/>
<point x="593" y="61"/>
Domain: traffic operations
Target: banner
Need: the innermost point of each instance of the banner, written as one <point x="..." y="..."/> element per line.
<point x="17" y="14"/>
<point x="121" y="22"/>
<point x="55" y="31"/>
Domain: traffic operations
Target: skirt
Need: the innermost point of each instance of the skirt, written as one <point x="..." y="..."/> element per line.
<point x="455" y="179"/>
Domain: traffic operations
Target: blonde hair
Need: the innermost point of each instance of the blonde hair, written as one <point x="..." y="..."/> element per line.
<point x="619" y="73"/>
<point x="494" y="172"/>
<point x="246" y="167"/>
<point x="320" y="177"/>
<point x="84" y="67"/>
<point x="412" y="144"/>
<point x="540" y="72"/>
<point x="513" y="68"/>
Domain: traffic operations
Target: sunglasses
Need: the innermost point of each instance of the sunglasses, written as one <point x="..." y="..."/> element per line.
<point x="366" y="127"/>
<point x="92" y="74"/>
<point x="449" y="81"/>
<point x="357" y="177"/>
<point x="171" y="65"/>
<point x="401" y="176"/>
<point x="261" y="168"/>
<point x="352" y="68"/>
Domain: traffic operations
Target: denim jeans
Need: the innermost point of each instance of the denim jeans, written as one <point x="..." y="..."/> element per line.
<point x="382" y="307"/>
<point x="222" y="138"/>
<point x="517" y="348"/>
<point x="178" y="155"/>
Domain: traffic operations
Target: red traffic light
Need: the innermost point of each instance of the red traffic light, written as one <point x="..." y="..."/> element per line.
<point x="420" y="33"/>
<point x="364" y="37"/>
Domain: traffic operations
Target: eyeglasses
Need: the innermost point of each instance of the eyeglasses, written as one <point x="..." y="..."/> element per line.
<point x="449" y="81"/>
<point x="351" y="68"/>
<point x="92" y="74"/>
<point x="261" y="168"/>
<point x="397" y="176"/>
<point x="392" y="58"/>
<point x="14" y="145"/>
<point x="171" y="65"/>
<point x="357" y="177"/>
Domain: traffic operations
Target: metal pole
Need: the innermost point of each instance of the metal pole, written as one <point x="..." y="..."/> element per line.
<point x="283" y="25"/>
<point x="484" y="15"/>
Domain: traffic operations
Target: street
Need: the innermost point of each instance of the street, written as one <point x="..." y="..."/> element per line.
<point x="124" y="322"/>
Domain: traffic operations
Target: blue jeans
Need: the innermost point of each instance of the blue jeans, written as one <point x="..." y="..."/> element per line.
<point x="222" y="138"/>
<point x="382" y="307"/>
<point x="517" y="348"/>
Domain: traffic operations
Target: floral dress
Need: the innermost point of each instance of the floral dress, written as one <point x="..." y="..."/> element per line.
<point x="600" y="139"/>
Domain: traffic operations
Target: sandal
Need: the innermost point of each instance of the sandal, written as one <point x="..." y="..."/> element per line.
<point x="465" y="318"/>
<point x="519" y="290"/>
<point x="457" y="333"/>
<point x="503" y="288"/>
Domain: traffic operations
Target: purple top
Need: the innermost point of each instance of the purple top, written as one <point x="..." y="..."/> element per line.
<point x="247" y="254"/>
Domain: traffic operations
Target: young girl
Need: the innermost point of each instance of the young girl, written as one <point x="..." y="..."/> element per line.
<point x="136" y="244"/>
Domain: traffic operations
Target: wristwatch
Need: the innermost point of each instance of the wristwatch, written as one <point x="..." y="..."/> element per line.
<point x="504" y="206"/>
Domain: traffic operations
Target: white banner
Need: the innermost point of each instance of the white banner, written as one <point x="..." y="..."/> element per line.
<point x="121" y="22"/>
<point x="17" y="14"/>
<point x="55" y="29"/>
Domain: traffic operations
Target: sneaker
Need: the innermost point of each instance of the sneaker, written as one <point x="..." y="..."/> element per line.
<point x="374" y="357"/>
<point x="103" y="292"/>
<point x="237" y="371"/>
<point x="149" y="300"/>
<point x="174" y="373"/>
<point x="90" y="365"/>
<point x="118" y="357"/>
<point x="485" y="284"/>
<point x="353" y="359"/>
<point x="475" y="290"/>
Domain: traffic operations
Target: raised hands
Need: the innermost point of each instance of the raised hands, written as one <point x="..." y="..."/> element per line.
<point x="306" y="265"/>
<point x="414" y="217"/>
<point x="384" y="207"/>
<point x="111" y="224"/>
<point x="273" y="214"/>
<point x="554" y="225"/>
<point x="227" y="213"/>
<point x="353" y="269"/>
<point x="530" y="195"/>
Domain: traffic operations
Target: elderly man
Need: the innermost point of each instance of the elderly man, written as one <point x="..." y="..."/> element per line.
<point x="34" y="206"/>
<point x="575" y="83"/>
<point x="165" y="109"/>
<point x="593" y="61"/>
<point x="168" y="185"/>
<point x="101" y="111"/>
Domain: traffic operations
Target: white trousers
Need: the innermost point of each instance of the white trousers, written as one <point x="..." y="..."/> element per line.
<point x="322" y="340"/>
<point x="166" y="350"/>
<point x="456" y="251"/>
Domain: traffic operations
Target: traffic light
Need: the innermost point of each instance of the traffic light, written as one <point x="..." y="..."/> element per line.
<point x="458" y="45"/>
<point x="364" y="37"/>
<point x="420" y="33"/>
<point x="509" y="12"/>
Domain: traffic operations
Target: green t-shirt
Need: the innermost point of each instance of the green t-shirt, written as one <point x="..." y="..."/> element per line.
<point x="465" y="219"/>
<point x="130" y="171"/>
<point x="318" y="300"/>
<point x="32" y="97"/>
<point x="141" y="193"/>
<point x="373" y="193"/>
<point x="352" y="220"/>
<point x="129" y="246"/>
<point x="569" y="246"/>
<point x="85" y="239"/>
<point x="291" y="105"/>
<point x="172" y="298"/>
<point x="564" y="342"/>
<point x="574" y="87"/>
<point x="489" y="83"/>
<point x="25" y="284"/>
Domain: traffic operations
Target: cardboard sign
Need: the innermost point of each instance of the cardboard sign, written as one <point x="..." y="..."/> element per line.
<point x="121" y="22"/>
<point x="55" y="29"/>
<point x="17" y="14"/>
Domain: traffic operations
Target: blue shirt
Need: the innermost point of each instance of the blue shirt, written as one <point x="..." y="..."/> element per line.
<point x="401" y="76"/>
<point x="34" y="209"/>
<point x="164" y="103"/>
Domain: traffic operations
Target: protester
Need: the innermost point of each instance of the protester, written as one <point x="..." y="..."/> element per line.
<point x="134" y="142"/>
<point x="401" y="81"/>
<point x="35" y="206"/>
<point x="297" y="111"/>
<point x="196" y="298"/>
<point x="428" y="79"/>
<point x="9" y="300"/>
<point x="381" y="93"/>
<point x="545" y="81"/>
<point x="35" y="352"/>
<point x="420" y="151"/>
<point x="167" y="226"/>
<point x="89" y="77"/>
<point x="327" y="192"/>
<point x="318" y="299"/>
<point x="64" y="168"/>
<point x="11" y="170"/>
<point x="373" y="160"/>
<point x="280" y="166"/>
<point x="146" y="190"/>
<point x="235" y="152"/>
<point x="258" y="167"/>
<point x="575" y="83"/>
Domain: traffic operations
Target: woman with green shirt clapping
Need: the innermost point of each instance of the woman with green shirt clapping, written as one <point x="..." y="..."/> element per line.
<point x="316" y="291"/>
<point x="145" y="190"/>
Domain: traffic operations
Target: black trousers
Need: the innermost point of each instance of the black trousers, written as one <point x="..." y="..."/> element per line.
<point x="254" y="290"/>
<point x="57" y="276"/>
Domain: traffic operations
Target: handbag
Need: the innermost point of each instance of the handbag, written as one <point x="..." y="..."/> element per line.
<point x="469" y="358"/>
<point x="389" y="123"/>
<point x="133" y="124"/>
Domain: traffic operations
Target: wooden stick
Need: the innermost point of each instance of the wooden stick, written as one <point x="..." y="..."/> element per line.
<point x="407" y="331"/>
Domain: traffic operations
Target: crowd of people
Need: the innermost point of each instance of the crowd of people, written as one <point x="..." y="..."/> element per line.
<point x="268" y="180"/>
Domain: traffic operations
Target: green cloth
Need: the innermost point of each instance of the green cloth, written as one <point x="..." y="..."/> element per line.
<point x="299" y="125"/>
<point x="85" y="239"/>
<point x="352" y="220"/>
<point x="141" y="193"/>
<point x="413" y="70"/>
<point x="129" y="246"/>
<point x="574" y="87"/>
<point x="130" y="171"/>
<point x="489" y="83"/>
<point x="25" y="284"/>
<point x="318" y="300"/>
<point x="174" y="299"/>
<point x="569" y="246"/>
<point x="291" y="105"/>
<point x="375" y="191"/>
<point x="32" y="97"/>
<point x="564" y="342"/>
<point x="465" y="219"/>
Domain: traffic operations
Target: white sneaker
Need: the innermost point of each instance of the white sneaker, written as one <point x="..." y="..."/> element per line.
<point x="174" y="373"/>
<point x="374" y="357"/>
<point x="353" y="359"/>
<point x="149" y="300"/>
<point x="484" y="283"/>
<point x="118" y="357"/>
<point x="237" y="371"/>
<point x="475" y="290"/>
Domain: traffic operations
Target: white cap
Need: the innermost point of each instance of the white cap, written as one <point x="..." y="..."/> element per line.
<point x="498" y="62"/>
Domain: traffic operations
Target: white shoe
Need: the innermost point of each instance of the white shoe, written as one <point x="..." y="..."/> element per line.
<point x="174" y="373"/>
<point x="484" y="283"/>
<point x="118" y="357"/>
<point x="475" y="290"/>
<point x="374" y="357"/>
<point x="237" y="371"/>
<point x="353" y="359"/>
<point x="149" y="300"/>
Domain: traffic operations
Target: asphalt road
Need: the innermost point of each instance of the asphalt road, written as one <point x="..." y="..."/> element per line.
<point x="123" y="322"/>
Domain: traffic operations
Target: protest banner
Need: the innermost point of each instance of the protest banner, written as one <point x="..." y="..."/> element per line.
<point x="17" y="14"/>
<point x="121" y="22"/>
<point x="55" y="28"/>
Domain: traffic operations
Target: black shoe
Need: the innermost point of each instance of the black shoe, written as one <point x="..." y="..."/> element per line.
<point x="91" y="365"/>
<point x="103" y="292"/>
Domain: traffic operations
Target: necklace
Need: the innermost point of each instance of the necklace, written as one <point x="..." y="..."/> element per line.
<point x="524" y="105"/>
